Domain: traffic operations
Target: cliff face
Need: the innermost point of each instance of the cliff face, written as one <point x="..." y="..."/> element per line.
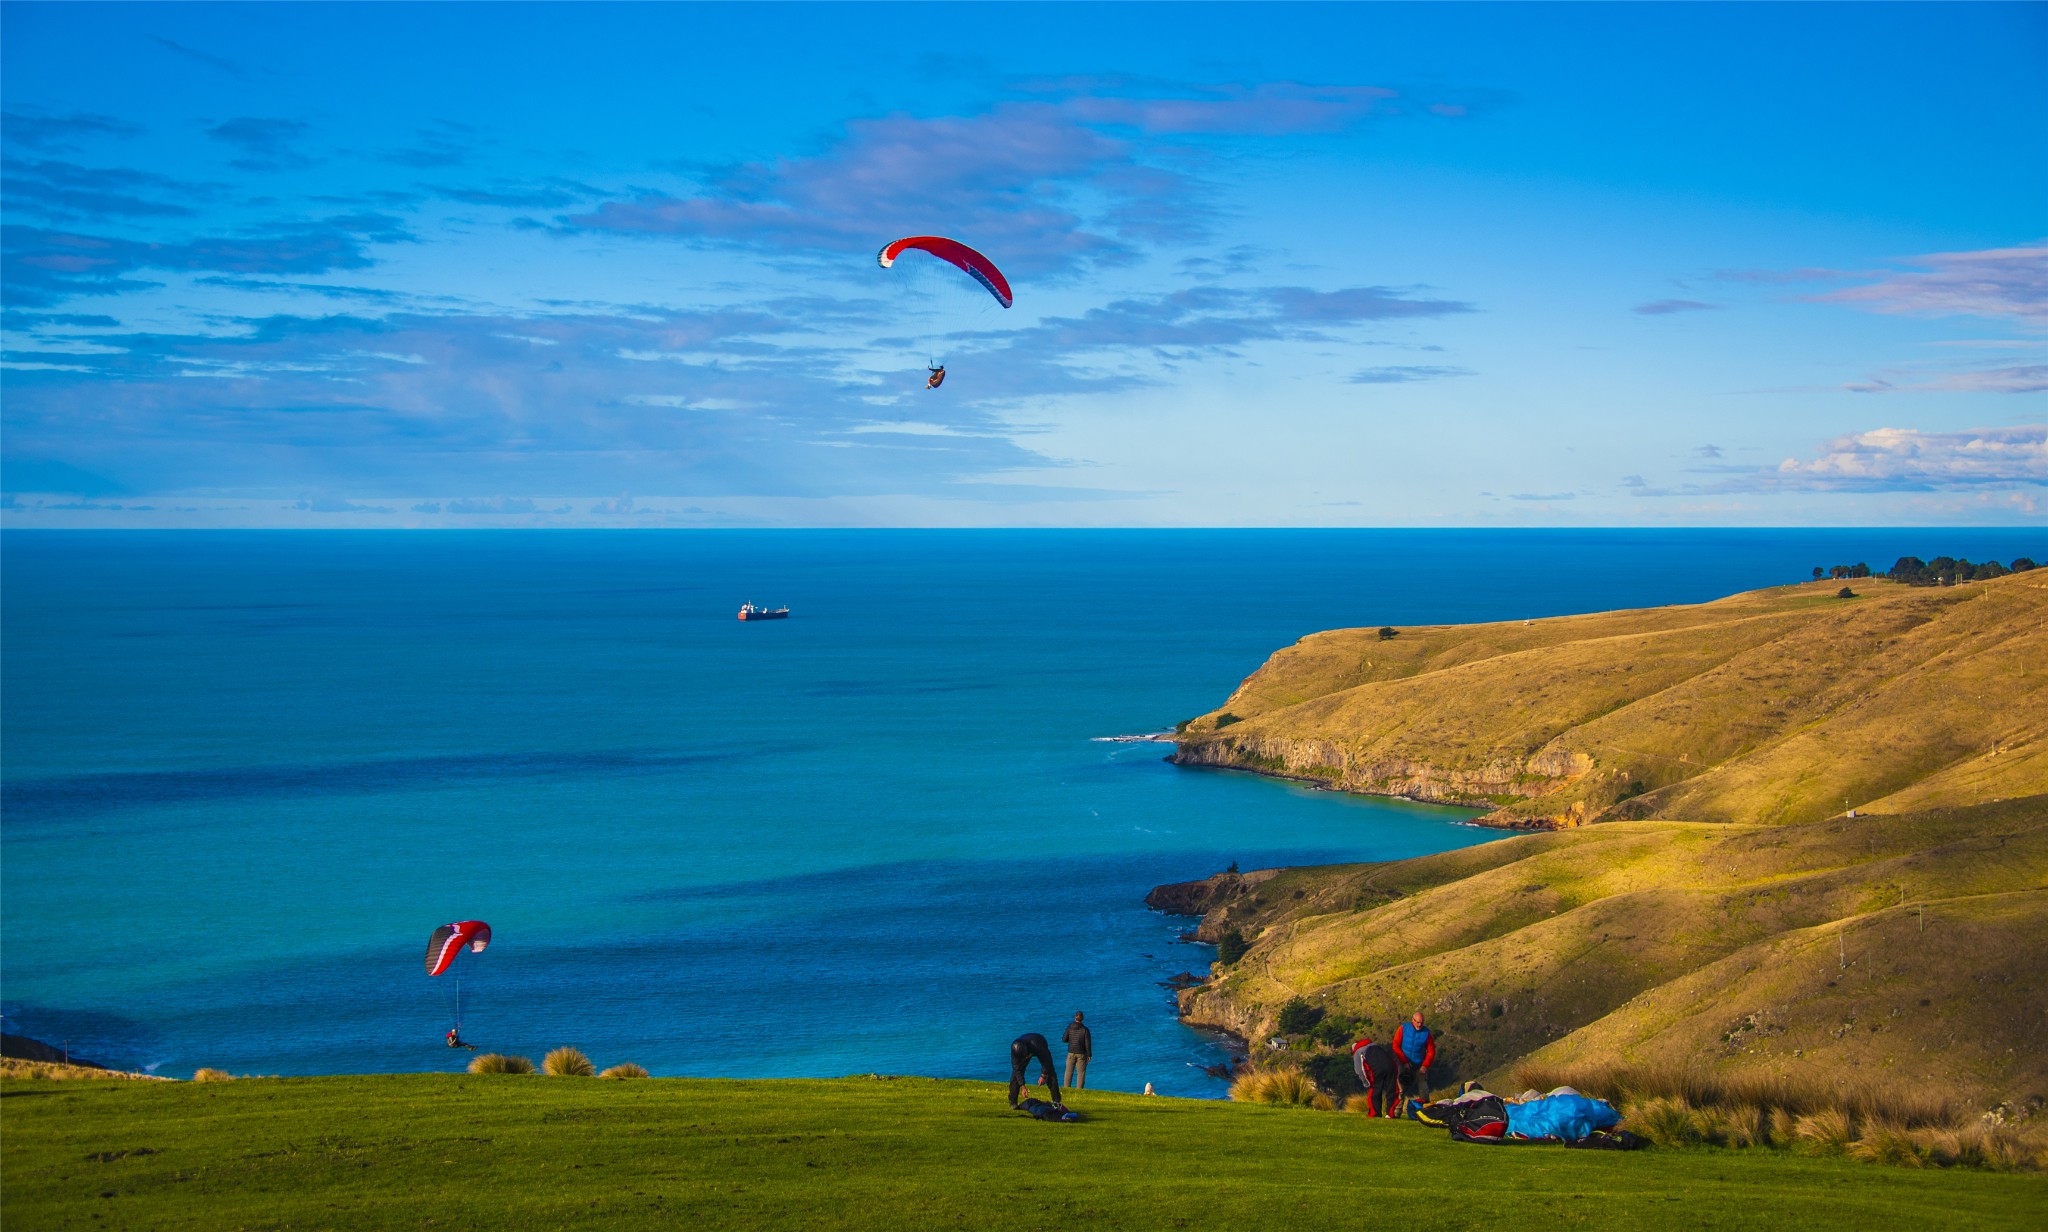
<point x="1197" y="898"/>
<point x="1332" y="764"/>
<point x="1782" y="705"/>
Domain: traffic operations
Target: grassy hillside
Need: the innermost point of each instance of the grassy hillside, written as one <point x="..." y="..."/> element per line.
<point x="1782" y="705"/>
<point x="1891" y="950"/>
<point x="418" y="1151"/>
<point x="1899" y="949"/>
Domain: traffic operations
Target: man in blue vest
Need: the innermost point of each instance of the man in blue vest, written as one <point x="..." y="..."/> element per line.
<point x="1414" y="1053"/>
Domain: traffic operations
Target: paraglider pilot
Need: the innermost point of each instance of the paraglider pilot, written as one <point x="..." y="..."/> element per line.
<point x="937" y="377"/>
<point x="1029" y="1047"/>
<point x="455" y="1040"/>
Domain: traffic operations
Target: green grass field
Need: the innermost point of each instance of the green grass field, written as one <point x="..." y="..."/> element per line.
<point x="442" y="1151"/>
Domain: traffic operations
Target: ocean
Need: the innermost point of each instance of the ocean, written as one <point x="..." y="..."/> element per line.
<point x="246" y="774"/>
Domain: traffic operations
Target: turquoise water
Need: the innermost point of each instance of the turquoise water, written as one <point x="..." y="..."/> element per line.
<point x="246" y="774"/>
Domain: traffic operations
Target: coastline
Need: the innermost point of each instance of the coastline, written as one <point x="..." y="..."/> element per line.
<point x="1488" y="814"/>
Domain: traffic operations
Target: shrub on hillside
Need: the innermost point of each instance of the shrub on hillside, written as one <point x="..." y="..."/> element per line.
<point x="499" y="1063"/>
<point x="628" y="1070"/>
<point x="1230" y="947"/>
<point x="1298" y="1017"/>
<point x="213" y="1075"/>
<point x="1332" y="1072"/>
<point x="566" y="1062"/>
<point x="1334" y="1032"/>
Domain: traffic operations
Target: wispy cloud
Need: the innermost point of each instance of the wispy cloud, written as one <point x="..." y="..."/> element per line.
<point x="44" y="266"/>
<point x="55" y="189"/>
<point x="439" y="145"/>
<point x="335" y="504"/>
<point x="266" y="143"/>
<point x="36" y="129"/>
<point x="1994" y="282"/>
<point x="227" y="66"/>
<point x="1078" y="174"/>
<point x="1665" y="307"/>
<point x="471" y="404"/>
<point x="1399" y="373"/>
<point x="2014" y="379"/>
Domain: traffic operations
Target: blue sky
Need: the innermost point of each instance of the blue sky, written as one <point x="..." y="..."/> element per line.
<point x="1412" y="264"/>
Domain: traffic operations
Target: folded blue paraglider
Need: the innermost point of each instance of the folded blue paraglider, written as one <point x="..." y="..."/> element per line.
<point x="1570" y="1117"/>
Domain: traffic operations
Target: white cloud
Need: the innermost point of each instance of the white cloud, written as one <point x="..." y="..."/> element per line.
<point x="1905" y="459"/>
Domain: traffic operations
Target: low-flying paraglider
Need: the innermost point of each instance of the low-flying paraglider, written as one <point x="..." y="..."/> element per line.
<point x="965" y="260"/>
<point x="448" y="941"/>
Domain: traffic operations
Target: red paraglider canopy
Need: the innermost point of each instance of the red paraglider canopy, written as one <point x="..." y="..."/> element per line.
<point x="955" y="253"/>
<point x="449" y="939"/>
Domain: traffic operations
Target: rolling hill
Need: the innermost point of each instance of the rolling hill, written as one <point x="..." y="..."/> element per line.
<point x="1821" y="849"/>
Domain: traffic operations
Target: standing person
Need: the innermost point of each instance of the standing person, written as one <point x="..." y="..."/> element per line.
<point x="1080" y="1046"/>
<point x="1414" y="1052"/>
<point x="1026" y="1048"/>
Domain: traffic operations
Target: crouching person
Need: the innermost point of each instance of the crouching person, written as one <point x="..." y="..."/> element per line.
<point x="1374" y="1065"/>
<point x="1025" y="1049"/>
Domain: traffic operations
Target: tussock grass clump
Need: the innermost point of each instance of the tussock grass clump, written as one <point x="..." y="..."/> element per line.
<point x="499" y="1063"/>
<point x="1667" y="1122"/>
<point x="1896" y="1125"/>
<point x="568" y="1062"/>
<point x="1907" y="1105"/>
<point x="1829" y="1132"/>
<point x="208" y="1074"/>
<point x="1884" y="1143"/>
<point x="1280" y="1086"/>
<point x="628" y="1070"/>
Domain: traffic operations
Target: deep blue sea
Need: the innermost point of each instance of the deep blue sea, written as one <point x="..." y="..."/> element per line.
<point x="246" y="774"/>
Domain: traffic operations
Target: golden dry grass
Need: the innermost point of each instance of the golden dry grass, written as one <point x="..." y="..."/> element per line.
<point x="568" y="1062"/>
<point x="212" y="1075"/>
<point x="57" y="1071"/>
<point x="1734" y="950"/>
<point x="1780" y="705"/>
<point x="627" y="1070"/>
<point x="499" y="1063"/>
<point x="1280" y="1085"/>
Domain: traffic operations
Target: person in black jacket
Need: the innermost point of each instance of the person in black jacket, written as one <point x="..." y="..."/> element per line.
<point x="1080" y="1046"/>
<point x="1025" y="1049"/>
<point x="1374" y="1065"/>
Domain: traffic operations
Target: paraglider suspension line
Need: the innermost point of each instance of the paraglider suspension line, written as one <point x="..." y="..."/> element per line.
<point x="458" y="1005"/>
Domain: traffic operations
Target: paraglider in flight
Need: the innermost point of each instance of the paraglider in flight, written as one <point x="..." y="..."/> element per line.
<point x="955" y="253"/>
<point x="943" y="301"/>
<point x="449" y="939"/>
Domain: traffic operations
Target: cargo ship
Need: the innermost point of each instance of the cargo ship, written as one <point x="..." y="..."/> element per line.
<point x="753" y="611"/>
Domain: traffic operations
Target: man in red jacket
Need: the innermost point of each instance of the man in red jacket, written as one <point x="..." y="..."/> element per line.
<point x="1414" y="1052"/>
